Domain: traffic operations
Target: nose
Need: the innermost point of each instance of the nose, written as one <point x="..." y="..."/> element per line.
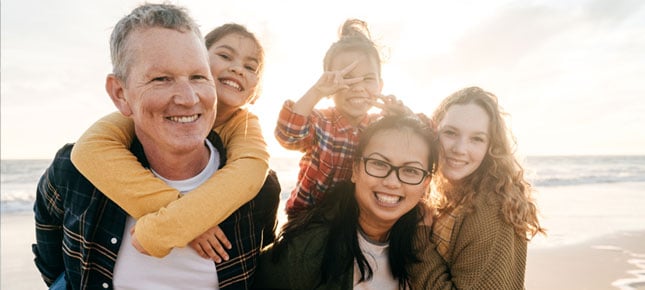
<point x="459" y="146"/>
<point x="237" y="69"/>
<point x="357" y="87"/>
<point x="184" y="94"/>
<point x="391" y="180"/>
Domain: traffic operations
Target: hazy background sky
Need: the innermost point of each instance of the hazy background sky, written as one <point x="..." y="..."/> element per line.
<point x="570" y="73"/>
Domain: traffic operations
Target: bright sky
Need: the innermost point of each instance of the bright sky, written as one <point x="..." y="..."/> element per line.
<point x="570" y="73"/>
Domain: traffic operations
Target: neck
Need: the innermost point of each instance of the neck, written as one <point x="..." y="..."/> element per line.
<point x="354" y="121"/>
<point x="375" y="231"/>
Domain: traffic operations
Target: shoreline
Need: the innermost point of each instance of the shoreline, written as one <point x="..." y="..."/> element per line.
<point x="611" y="261"/>
<point x="617" y="258"/>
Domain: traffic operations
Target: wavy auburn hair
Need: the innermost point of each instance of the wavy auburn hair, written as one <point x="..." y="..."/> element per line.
<point x="499" y="174"/>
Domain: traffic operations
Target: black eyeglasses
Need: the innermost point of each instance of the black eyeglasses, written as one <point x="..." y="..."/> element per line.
<point x="406" y="174"/>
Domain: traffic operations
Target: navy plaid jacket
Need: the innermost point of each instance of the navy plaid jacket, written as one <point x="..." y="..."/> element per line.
<point x="79" y="230"/>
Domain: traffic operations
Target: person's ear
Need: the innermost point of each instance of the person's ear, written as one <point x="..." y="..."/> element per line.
<point x="115" y="89"/>
<point x="426" y="183"/>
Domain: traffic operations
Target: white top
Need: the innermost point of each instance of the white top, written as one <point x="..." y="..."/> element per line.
<point x="182" y="268"/>
<point x="376" y="255"/>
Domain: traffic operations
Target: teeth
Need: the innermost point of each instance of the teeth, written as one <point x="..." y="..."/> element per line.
<point x="184" y="119"/>
<point x="356" y="101"/>
<point x="454" y="162"/>
<point x="391" y="199"/>
<point x="233" y="84"/>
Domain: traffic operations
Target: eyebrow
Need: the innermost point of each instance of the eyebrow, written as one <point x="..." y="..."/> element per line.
<point x="455" y="129"/>
<point x="228" y="47"/>
<point x="388" y="159"/>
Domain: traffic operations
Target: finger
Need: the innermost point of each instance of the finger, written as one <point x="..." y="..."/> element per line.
<point x="387" y="99"/>
<point x="198" y="248"/>
<point x="213" y="250"/>
<point x="378" y="104"/>
<point x="349" y="68"/>
<point x="219" y="234"/>
<point x="216" y="249"/>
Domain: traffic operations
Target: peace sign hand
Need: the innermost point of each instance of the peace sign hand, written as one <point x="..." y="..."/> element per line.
<point x="332" y="82"/>
<point x="391" y="106"/>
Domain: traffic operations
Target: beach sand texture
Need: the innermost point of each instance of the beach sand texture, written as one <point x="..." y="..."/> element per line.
<point x="592" y="243"/>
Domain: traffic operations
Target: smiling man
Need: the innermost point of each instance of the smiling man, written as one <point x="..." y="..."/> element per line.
<point x="161" y="80"/>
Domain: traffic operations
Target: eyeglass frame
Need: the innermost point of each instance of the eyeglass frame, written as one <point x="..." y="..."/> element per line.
<point x="426" y="173"/>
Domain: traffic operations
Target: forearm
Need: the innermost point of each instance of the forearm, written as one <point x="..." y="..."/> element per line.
<point x="305" y="105"/>
<point x="219" y="197"/>
<point x="48" y="213"/>
<point x="103" y="157"/>
<point x="294" y="131"/>
<point x="485" y="254"/>
<point x="199" y="210"/>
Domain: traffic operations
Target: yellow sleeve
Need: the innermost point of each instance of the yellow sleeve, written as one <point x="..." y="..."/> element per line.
<point x="102" y="156"/>
<point x="139" y="193"/>
<point x="235" y="184"/>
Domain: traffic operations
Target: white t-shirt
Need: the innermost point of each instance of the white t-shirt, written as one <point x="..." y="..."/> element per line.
<point x="182" y="268"/>
<point x="376" y="255"/>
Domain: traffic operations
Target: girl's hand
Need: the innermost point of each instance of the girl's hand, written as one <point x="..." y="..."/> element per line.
<point x="391" y="106"/>
<point x="332" y="82"/>
<point x="211" y="244"/>
<point x="135" y="243"/>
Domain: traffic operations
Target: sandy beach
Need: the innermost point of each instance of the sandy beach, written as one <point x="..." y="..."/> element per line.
<point x="593" y="242"/>
<point x="590" y="265"/>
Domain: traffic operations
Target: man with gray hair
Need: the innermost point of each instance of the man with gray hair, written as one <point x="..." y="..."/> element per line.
<point x="162" y="80"/>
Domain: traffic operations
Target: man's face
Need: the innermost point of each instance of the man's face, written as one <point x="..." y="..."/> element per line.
<point x="169" y="92"/>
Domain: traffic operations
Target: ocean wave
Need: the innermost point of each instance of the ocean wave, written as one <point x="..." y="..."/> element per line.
<point x="20" y="177"/>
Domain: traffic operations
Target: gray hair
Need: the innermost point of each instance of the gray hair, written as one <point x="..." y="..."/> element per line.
<point x="145" y="16"/>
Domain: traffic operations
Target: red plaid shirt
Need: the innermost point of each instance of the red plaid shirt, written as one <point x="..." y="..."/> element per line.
<point x="328" y="141"/>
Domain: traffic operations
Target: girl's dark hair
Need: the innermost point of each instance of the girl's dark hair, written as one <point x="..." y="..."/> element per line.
<point x="354" y="35"/>
<point x="338" y="210"/>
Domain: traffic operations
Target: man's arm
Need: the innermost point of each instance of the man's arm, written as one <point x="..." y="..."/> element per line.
<point x="48" y="213"/>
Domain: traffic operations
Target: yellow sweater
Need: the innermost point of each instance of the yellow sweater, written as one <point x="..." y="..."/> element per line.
<point x="483" y="253"/>
<point x="165" y="221"/>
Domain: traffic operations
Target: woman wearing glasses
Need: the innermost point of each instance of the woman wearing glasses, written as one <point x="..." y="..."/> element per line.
<point x="360" y="235"/>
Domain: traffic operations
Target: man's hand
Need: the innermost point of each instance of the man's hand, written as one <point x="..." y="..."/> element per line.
<point x="211" y="244"/>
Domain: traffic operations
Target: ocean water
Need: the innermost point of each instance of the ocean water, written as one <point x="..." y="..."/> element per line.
<point x="20" y="177"/>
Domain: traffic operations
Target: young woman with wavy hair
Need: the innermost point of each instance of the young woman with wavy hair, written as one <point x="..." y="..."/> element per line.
<point x="485" y="212"/>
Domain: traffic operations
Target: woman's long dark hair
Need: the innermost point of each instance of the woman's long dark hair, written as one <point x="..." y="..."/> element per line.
<point x="338" y="210"/>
